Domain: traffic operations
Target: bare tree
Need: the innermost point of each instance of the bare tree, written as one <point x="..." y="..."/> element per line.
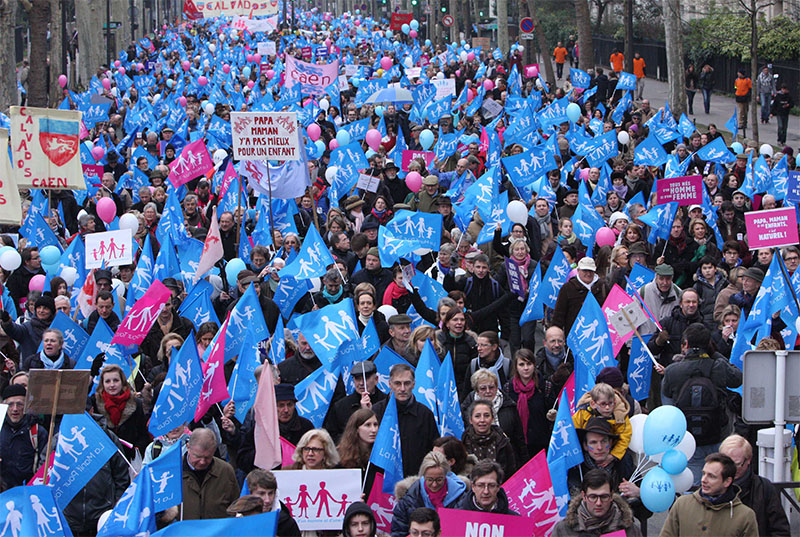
<point x="38" y="20"/>
<point x="600" y="7"/>
<point x="584" y="24"/>
<point x="56" y="50"/>
<point x="674" y="43"/>
<point x="502" y="25"/>
<point x="8" y="81"/>
<point x="629" y="36"/>
<point x="90" y="15"/>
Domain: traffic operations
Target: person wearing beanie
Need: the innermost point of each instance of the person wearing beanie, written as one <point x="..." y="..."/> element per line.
<point x="22" y="440"/>
<point x="29" y="334"/>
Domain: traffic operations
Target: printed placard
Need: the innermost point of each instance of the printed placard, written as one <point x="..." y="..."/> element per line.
<point x="10" y="207"/>
<point x="685" y="190"/>
<point x="318" y="500"/>
<point x="767" y="229"/>
<point x="793" y="187"/>
<point x="368" y="182"/>
<point x="458" y="523"/>
<point x="514" y="277"/>
<point x="409" y="155"/>
<point x="109" y="248"/>
<point x="267" y="48"/>
<point x="265" y="136"/>
<point x="444" y="88"/>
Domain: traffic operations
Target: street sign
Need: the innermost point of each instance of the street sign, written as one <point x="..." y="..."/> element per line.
<point x="447" y="20"/>
<point x="363" y="7"/>
<point x="526" y="37"/>
<point x="113" y="24"/>
<point x="526" y="25"/>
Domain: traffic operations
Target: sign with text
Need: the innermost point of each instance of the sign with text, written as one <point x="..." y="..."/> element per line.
<point x="685" y="190"/>
<point x="793" y="187"/>
<point x="514" y="278"/>
<point x="110" y="248"/>
<point x="399" y="19"/>
<point x="318" y="500"/>
<point x="243" y="8"/>
<point x="46" y="148"/>
<point x="369" y="183"/>
<point x="409" y="155"/>
<point x="313" y="78"/>
<point x="767" y="229"/>
<point x="444" y="88"/>
<point x="267" y="48"/>
<point x="265" y="136"/>
<point x="10" y="207"/>
<point x="458" y="523"/>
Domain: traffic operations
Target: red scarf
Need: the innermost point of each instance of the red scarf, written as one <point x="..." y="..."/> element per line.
<point x="115" y="404"/>
<point x="524" y="392"/>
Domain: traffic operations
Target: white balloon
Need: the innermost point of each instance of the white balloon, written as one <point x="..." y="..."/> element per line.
<point x="623" y="138"/>
<point x="156" y="97"/>
<point x="637" y="438"/>
<point x="118" y="286"/>
<point x="520" y="48"/>
<point x="81" y="213"/>
<point x="206" y="63"/>
<point x="517" y="212"/>
<point x="408" y="62"/>
<point x="128" y="221"/>
<point x="463" y="56"/>
<point x="688" y="445"/>
<point x="440" y="75"/>
<point x="387" y="310"/>
<point x="69" y="275"/>
<point x="766" y="150"/>
<point x="209" y="109"/>
<point x="683" y="481"/>
<point x="10" y="260"/>
<point x="324" y="104"/>
<point x="212" y="48"/>
<point x="467" y="46"/>
<point x="330" y="173"/>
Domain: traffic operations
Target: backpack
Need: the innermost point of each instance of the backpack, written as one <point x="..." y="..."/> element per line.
<point x="702" y="404"/>
<point x="495" y="287"/>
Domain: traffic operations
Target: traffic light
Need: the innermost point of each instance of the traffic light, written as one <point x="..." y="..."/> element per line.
<point x="443" y="6"/>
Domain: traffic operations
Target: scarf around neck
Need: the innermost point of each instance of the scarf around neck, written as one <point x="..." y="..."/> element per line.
<point x="115" y="404"/>
<point x="523" y="267"/>
<point x="524" y="392"/>
<point x="58" y="363"/>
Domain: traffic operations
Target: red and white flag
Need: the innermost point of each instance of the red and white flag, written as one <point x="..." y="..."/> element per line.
<point x="212" y="248"/>
<point x="214" y="389"/>
<point x="88" y="295"/>
<point x="267" y="436"/>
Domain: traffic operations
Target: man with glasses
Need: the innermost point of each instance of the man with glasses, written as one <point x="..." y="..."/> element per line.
<point x="485" y="493"/>
<point x="22" y="441"/>
<point x="424" y="522"/>
<point x="791" y="258"/>
<point x="365" y="379"/>
<point x="597" y="511"/>
<point x="757" y="492"/>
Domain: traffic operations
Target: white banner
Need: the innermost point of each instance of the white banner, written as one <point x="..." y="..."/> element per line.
<point x="265" y="136"/>
<point x="319" y="499"/>
<point x="444" y="87"/>
<point x="243" y="8"/>
<point x="267" y="48"/>
<point x="110" y="248"/>
<point x="10" y="206"/>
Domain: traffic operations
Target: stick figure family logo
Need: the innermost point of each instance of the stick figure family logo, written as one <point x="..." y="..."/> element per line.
<point x="302" y="506"/>
<point x="47" y="520"/>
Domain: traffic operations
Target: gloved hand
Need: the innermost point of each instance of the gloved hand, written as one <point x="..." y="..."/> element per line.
<point x="5" y="316"/>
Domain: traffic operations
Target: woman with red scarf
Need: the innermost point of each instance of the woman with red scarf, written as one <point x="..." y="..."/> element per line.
<point x="527" y="391"/>
<point x="122" y="410"/>
<point x="396" y="295"/>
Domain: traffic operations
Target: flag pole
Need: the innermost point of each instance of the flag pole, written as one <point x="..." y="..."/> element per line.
<point x="46" y="473"/>
<point x="785" y="273"/>
<point x="636" y="331"/>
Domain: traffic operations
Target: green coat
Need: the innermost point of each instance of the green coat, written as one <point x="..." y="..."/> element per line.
<point x="693" y="515"/>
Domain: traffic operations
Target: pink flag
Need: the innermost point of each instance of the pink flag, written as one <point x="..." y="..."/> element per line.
<point x="287" y="450"/>
<point x="212" y="249"/>
<point x="38" y="477"/>
<point x="618" y="533"/>
<point x="530" y="493"/>
<point x="214" y="388"/>
<point x="569" y="386"/>
<point x="267" y="436"/>
<point x="459" y="522"/>
<point x="227" y="179"/>
<point x="382" y="504"/>
<point x="137" y="323"/>
<point x="193" y="161"/>
<point x="614" y="302"/>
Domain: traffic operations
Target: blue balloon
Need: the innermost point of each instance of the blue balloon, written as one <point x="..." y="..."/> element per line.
<point x="232" y="270"/>
<point x="427" y="42"/>
<point x="737" y="148"/>
<point x="389" y="34"/>
<point x="414" y="24"/>
<point x="379" y="111"/>
<point x="52" y="268"/>
<point x="49" y="255"/>
<point x="355" y="81"/>
<point x="664" y="429"/>
<point x="343" y="138"/>
<point x="674" y="461"/>
<point x="320" y="147"/>
<point x="246" y="71"/>
<point x="426" y="139"/>
<point x="573" y="112"/>
<point x="4" y="249"/>
<point x="797" y="160"/>
<point x="657" y="491"/>
<point x="405" y="28"/>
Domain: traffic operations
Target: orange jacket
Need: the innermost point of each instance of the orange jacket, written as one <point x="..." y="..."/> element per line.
<point x="617" y="60"/>
<point x="638" y="67"/>
<point x="743" y="86"/>
<point x="560" y="54"/>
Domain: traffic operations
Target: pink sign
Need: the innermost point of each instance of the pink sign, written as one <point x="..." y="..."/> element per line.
<point x="685" y="190"/>
<point x="409" y="155"/>
<point x="93" y="171"/>
<point x="137" y="323"/>
<point x="456" y="522"/>
<point x="312" y="77"/>
<point x="614" y="302"/>
<point x="193" y="161"/>
<point x="305" y="52"/>
<point x="776" y="227"/>
<point x="530" y="493"/>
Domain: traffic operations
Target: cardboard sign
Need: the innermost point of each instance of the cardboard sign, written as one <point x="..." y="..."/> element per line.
<point x="458" y="523"/>
<point x="409" y="155"/>
<point x="793" y="187"/>
<point x="351" y="70"/>
<point x="267" y="48"/>
<point x="318" y="500"/>
<point x="369" y="183"/>
<point x="265" y="136"/>
<point x="343" y="84"/>
<point x="110" y="248"/>
<point x="10" y="206"/>
<point x="629" y="312"/>
<point x="46" y="148"/>
<point x="491" y="108"/>
<point x="444" y="88"/>
<point x="767" y="229"/>
<point x="413" y="72"/>
<point x="483" y="42"/>
<point x="73" y="387"/>
<point x="685" y="190"/>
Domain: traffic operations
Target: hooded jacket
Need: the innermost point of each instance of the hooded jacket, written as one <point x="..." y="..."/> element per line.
<point x="358" y="508"/>
<point x="416" y="496"/>
<point x="621" y="519"/>
<point x="695" y="515"/>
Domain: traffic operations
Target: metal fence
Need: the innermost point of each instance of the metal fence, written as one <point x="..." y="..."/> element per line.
<point x="655" y="57"/>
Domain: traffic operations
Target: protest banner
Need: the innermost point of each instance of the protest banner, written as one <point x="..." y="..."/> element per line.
<point x="399" y="19"/>
<point x="409" y="155"/>
<point x="243" y="8"/>
<point x="768" y="229"/>
<point x="685" y="190"/>
<point x="93" y="173"/>
<point x="313" y="78"/>
<point x="10" y="206"/>
<point x="413" y="72"/>
<point x="318" y="500"/>
<point x="267" y="48"/>
<point x="369" y="183"/>
<point x="45" y="147"/>
<point x="109" y="248"/>
<point x="306" y="53"/>
<point x="265" y="136"/>
<point x="444" y="88"/>
<point x="458" y="523"/>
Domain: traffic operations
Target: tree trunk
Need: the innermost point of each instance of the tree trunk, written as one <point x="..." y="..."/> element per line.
<point x="629" y="36"/>
<point x="754" y="97"/>
<point x="584" y="23"/>
<point x="675" y="69"/>
<point x="601" y="9"/>
<point x="39" y="19"/>
<point x="544" y="48"/>
<point x="453" y="11"/>
<point x="90" y="15"/>
<point x="56" y="52"/>
<point x="502" y="25"/>
<point x="8" y="79"/>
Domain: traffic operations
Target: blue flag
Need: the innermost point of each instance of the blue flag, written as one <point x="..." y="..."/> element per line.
<point x="579" y="78"/>
<point x="75" y="337"/>
<point x="327" y="329"/>
<point x="198" y="307"/>
<point x="640" y="369"/>
<point x="639" y="277"/>
<point x="660" y="219"/>
<point x="263" y="525"/>
<point x="133" y="515"/>
<point x="313" y="259"/>
<point x="533" y="307"/>
<point x="166" y="478"/>
<point x="277" y="344"/>
<point x="733" y="124"/>
<point x="81" y="451"/>
<point x="246" y="317"/>
<point x="590" y="343"/>
<point x="451" y="422"/>
<point x="38" y="233"/>
<point x="180" y="392"/>
<point x="242" y="385"/>
<point x="649" y="152"/>
<point x="99" y="341"/>
<point x="73" y="257"/>
<point x="423" y="228"/>
<point x="627" y="81"/>
<point x="425" y="385"/>
<point x="32" y="510"/>
<point x="386" y="451"/>
<point x="564" y="441"/>
<point x="314" y="394"/>
<point x="554" y="278"/>
<point x="383" y="363"/>
<point x="716" y="151"/>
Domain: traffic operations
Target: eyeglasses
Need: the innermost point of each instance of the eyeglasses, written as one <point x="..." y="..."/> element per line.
<point x="434" y="480"/>
<point x="417" y="533"/>
<point x="593" y="498"/>
<point x="793" y="258"/>
<point x="486" y="486"/>
<point x="309" y="449"/>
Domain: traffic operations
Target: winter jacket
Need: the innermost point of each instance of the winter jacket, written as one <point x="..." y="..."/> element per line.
<point x="17" y="450"/>
<point x="617" y="470"/>
<point x="152" y="341"/>
<point x="244" y="443"/>
<point x="380" y="279"/>
<point x="132" y="424"/>
<point x="570" y="300"/>
<point x="708" y="292"/>
<point x="509" y="422"/>
<point x="660" y="304"/>
<point x="573" y="524"/>
<point x="287" y="526"/>
<point x="28" y="335"/>
<point x="620" y="424"/>
<point x="539" y="427"/>
<point x="503" y="450"/>
<point x="501" y="507"/>
<point x="763" y="498"/>
<point x="416" y="496"/>
<point x="694" y="515"/>
<point x="462" y="350"/>
<point x="723" y="299"/>
<point x="418" y="430"/>
<point x="674" y="325"/>
<point x="34" y="361"/>
<point x="211" y="497"/>
<point x="357" y="508"/>
<point x="480" y="293"/>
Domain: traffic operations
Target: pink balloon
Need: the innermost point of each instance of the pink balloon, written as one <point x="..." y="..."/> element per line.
<point x="106" y="210"/>
<point x="412" y="34"/>
<point x="249" y="58"/>
<point x="140" y="66"/>
<point x="314" y="132"/>
<point x="357" y="22"/>
<point x="117" y="63"/>
<point x="584" y="174"/>
<point x="605" y="237"/>
<point x="202" y="80"/>
<point x="414" y="181"/>
<point x="107" y="83"/>
<point x="98" y="152"/>
<point x="386" y="63"/>
<point x="327" y="42"/>
<point x="488" y="85"/>
<point x="373" y="138"/>
<point x="458" y="72"/>
<point x="226" y="68"/>
<point x="186" y="65"/>
<point x="62" y="80"/>
<point x="122" y="71"/>
<point x="333" y="144"/>
<point x="470" y="94"/>
<point x="270" y="73"/>
<point x="36" y="283"/>
<point x="182" y="101"/>
<point x="257" y="58"/>
<point x="470" y="56"/>
<point x="250" y="84"/>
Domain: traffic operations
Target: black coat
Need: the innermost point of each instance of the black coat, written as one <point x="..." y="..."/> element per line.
<point x="675" y="324"/>
<point x="761" y="496"/>
<point x="380" y="279"/>
<point x="132" y="424"/>
<point x="152" y="341"/>
<point x="243" y="440"/>
<point x="17" y="450"/>
<point x="339" y="413"/>
<point x="539" y="427"/>
<point x="462" y="350"/>
<point x="510" y="424"/>
<point x="417" y="431"/>
<point x="467" y="503"/>
<point x="570" y="300"/>
<point x="34" y="361"/>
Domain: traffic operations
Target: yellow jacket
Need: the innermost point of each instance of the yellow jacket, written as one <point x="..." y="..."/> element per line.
<point x="620" y="424"/>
